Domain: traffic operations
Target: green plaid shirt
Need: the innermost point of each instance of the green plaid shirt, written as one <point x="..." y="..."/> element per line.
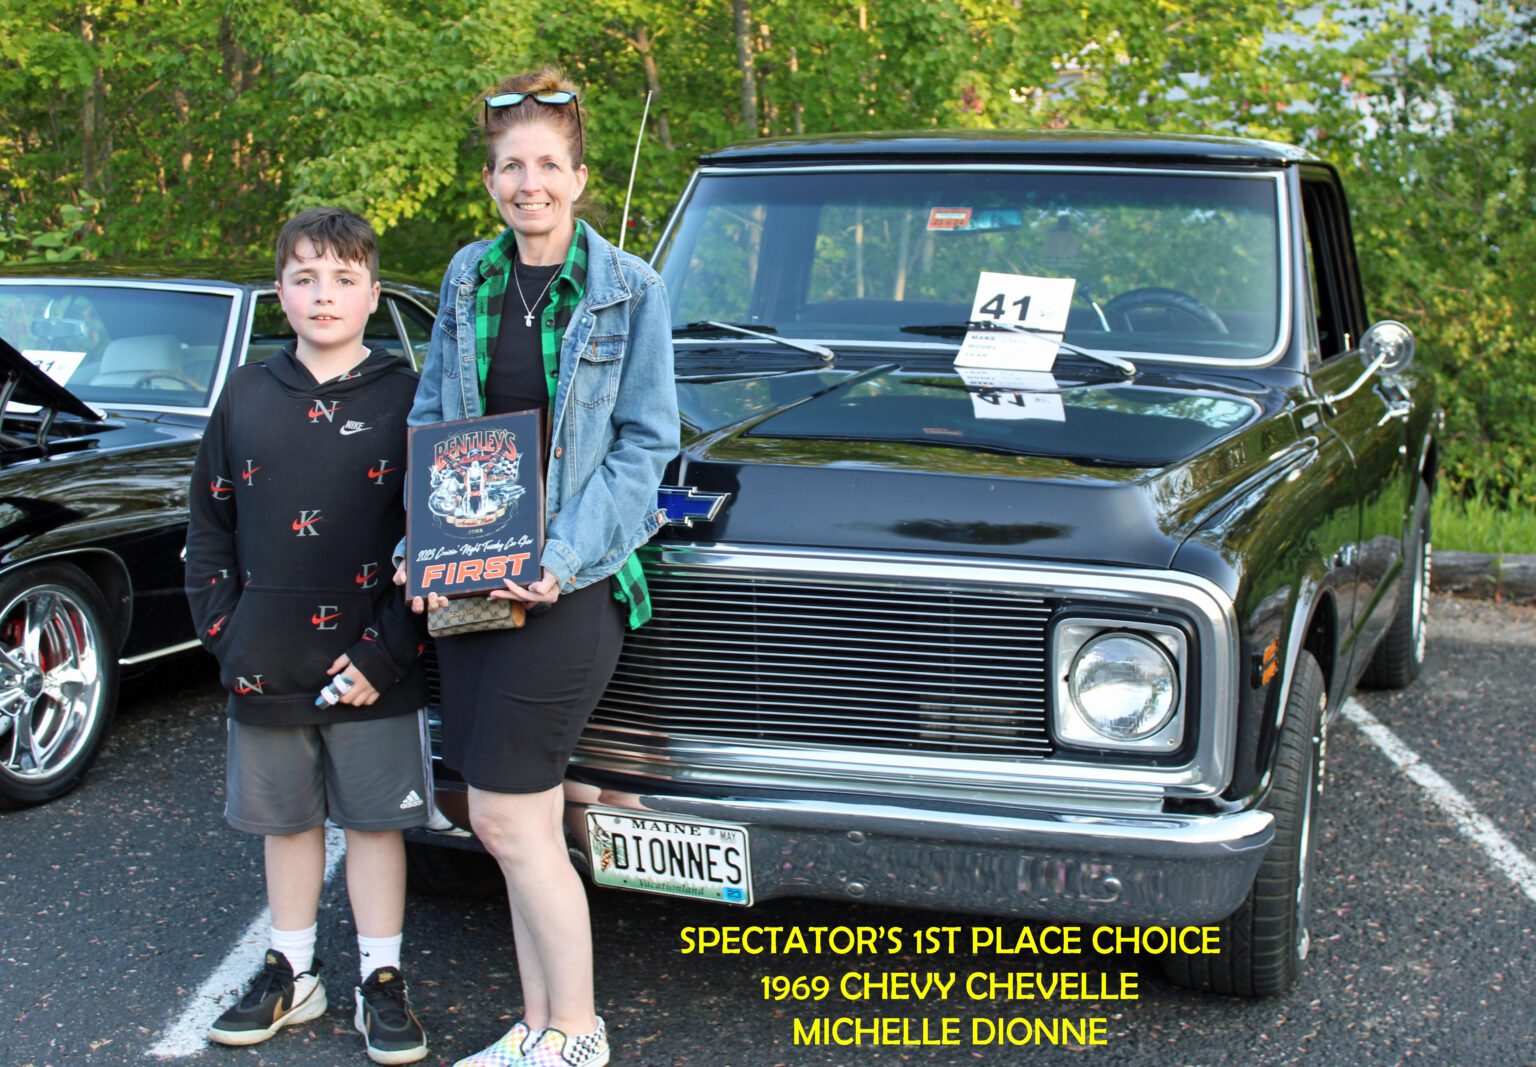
<point x="564" y="295"/>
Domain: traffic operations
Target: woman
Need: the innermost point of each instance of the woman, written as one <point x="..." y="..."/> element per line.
<point x="549" y="316"/>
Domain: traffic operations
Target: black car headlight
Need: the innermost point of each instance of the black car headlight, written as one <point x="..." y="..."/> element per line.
<point x="1119" y="684"/>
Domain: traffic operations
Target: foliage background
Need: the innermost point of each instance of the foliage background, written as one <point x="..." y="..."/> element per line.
<point x="191" y="128"/>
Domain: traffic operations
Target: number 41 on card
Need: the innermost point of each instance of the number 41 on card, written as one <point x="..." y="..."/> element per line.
<point x="1022" y="300"/>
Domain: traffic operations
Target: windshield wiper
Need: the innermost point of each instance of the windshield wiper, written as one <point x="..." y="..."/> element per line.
<point x="712" y="326"/>
<point x="960" y="329"/>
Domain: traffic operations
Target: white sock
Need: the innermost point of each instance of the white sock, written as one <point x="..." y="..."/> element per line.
<point x="376" y="952"/>
<point x="297" y="945"/>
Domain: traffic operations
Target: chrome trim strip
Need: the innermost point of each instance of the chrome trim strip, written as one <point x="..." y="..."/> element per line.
<point x="250" y="321"/>
<point x="129" y="661"/>
<point x="1262" y="170"/>
<point x="394" y="317"/>
<point x="1274" y="174"/>
<point x="677" y="213"/>
<point x="1201" y="602"/>
<point x="220" y="371"/>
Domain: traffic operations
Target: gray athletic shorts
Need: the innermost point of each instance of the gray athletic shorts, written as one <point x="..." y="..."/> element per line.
<point x="369" y="775"/>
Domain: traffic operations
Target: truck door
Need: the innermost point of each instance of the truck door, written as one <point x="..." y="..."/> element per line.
<point x="1368" y="422"/>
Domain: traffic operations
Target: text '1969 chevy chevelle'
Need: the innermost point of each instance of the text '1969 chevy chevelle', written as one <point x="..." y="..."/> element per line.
<point x="1054" y="633"/>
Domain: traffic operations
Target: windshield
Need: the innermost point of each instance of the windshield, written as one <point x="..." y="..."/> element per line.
<point x="112" y="345"/>
<point x="1183" y="264"/>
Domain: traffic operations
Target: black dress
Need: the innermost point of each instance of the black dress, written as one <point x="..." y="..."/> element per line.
<point x="515" y="701"/>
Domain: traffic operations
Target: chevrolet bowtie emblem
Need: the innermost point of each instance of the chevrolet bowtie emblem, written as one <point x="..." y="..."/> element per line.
<point x="685" y="505"/>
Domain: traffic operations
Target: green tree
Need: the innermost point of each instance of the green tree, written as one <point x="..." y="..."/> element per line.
<point x="192" y="127"/>
<point x="1435" y="128"/>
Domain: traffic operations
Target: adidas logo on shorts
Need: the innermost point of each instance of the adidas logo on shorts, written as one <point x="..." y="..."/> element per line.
<point x="412" y="800"/>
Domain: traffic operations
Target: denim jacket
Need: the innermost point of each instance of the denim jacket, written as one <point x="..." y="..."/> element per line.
<point x="615" y="422"/>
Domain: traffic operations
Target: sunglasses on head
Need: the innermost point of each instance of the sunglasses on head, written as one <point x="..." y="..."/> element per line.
<point x="550" y="98"/>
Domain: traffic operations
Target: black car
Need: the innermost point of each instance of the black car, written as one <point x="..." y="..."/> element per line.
<point x="109" y="377"/>
<point x="1055" y="630"/>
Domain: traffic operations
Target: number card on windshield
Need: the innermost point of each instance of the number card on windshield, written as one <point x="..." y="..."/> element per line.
<point x="1006" y="304"/>
<point x="474" y="511"/>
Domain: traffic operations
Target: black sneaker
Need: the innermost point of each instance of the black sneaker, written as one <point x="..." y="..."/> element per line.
<point x="277" y="998"/>
<point x="386" y="1021"/>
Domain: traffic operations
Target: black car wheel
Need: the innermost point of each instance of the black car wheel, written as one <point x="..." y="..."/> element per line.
<point x="1398" y="659"/>
<point x="1264" y="942"/>
<point x="58" y="682"/>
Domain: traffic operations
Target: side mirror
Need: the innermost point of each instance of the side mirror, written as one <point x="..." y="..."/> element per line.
<point x="1386" y="347"/>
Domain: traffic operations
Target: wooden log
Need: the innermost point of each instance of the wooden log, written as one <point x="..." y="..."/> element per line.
<point x="1475" y="574"/>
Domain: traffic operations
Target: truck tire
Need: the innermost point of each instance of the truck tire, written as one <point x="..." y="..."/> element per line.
<point x="1264" y="942"/>
<point x="446" y="871"/>
<point x="1400" y="655"/>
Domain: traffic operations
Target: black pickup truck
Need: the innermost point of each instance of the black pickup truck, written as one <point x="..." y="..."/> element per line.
<point x="1059" y="640"/>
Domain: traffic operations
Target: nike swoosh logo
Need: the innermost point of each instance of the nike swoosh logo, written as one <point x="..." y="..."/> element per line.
<point x="297" y="525"/>
<point x="247" y="474"/>
<point x="348" y="431"/>
<point x="213" y="631"/>
<point x="241" y="690"/>
<point x="381" y="472"/>
<point x="318" y="619"/>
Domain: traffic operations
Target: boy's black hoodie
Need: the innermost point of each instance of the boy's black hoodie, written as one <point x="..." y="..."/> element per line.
<point x="296" y="507"/>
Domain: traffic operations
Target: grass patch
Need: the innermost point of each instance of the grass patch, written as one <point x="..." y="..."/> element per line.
<point x="1476" y="525"/>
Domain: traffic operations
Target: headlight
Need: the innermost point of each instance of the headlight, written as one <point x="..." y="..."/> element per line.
<point x="1120" y="684"/>
<point x="1125" y="686"/>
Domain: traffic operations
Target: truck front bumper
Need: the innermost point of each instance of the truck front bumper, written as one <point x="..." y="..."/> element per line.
<point x="1126" y="869"/>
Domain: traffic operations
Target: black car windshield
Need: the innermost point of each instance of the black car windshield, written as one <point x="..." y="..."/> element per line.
<point x="1179" y="264"/>
<point x="120" y="345"/>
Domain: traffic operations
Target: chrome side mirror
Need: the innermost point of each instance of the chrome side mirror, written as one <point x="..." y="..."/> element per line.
<point x="1386" y="347"/>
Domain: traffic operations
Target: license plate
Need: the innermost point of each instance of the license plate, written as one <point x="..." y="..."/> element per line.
<point x="678" y="857"/>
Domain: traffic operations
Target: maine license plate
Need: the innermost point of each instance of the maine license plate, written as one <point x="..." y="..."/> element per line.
<point x="679" y="857"/>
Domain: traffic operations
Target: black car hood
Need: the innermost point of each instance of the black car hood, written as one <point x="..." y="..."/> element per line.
<point x="36" y="388"/>
<point x="1093" y="470"/>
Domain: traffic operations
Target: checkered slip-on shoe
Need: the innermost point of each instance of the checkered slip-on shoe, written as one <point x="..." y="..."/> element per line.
<point x="510" y="1050"/>
<point x="557" y="1049"/>
<point x="277" y="998"/>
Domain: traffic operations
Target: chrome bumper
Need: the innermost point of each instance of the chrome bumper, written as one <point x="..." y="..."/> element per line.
<point x="1125" y="869"/>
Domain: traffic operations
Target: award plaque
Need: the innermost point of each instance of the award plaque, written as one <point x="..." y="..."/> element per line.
<point x="474" y="513"/>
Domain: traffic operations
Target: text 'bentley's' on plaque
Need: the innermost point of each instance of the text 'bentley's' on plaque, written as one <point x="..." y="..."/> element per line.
<point x="474" y="504"/>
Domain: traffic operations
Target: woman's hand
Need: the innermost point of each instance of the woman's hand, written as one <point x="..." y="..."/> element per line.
<point x="420" y="604"/>
<point x="544" y="591"/>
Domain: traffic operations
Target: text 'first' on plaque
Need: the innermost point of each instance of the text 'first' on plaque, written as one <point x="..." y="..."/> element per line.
<point x="474" y="504"/>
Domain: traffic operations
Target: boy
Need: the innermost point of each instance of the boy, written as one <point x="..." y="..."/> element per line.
<point x="295" y="509"/>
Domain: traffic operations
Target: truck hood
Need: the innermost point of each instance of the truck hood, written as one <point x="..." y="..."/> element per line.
<point x="1087" y="469"/>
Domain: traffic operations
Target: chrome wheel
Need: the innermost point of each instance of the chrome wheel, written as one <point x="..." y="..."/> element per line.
<point x="1424" y="565"/>
<point x="52" y="687"/>
<point x="1399" y="656"/>
<point x="1311" y="789"/>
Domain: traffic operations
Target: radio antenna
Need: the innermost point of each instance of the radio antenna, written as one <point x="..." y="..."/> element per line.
<point x="633" y="167"/>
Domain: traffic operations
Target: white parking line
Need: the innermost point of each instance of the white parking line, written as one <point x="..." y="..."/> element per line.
<point x="1516" y="865"/>
<point x="188" y="1035"/>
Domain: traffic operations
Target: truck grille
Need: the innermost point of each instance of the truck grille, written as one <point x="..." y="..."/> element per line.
<point x="924" y="668"/>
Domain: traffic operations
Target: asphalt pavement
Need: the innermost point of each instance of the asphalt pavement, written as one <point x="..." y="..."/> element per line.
<point x="118" y="902"/>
